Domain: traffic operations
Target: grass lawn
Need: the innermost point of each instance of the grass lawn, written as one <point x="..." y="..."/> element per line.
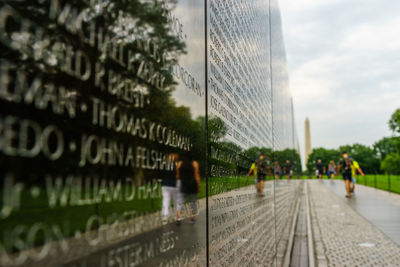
<point x="70" y="219"/>
<point x="380" y="181"/>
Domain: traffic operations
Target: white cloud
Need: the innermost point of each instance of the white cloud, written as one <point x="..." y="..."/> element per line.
<point x="372" y="37"/>
<point x="343" y="59"/>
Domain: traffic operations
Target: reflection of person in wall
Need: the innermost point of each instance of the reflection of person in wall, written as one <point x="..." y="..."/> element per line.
<point x="261" y="172"/>
<point x="169" y="188"/>
<point x="277" y="170"/>
<point x="287" y="169"/>
<point x="188" y="173"/>
<point x="253" y="169"/>
<point x="269" y="169"/>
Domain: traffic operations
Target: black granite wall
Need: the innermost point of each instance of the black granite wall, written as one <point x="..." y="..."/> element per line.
<point x="103" y="101"/>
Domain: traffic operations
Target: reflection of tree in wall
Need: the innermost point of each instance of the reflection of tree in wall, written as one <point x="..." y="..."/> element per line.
<point x="271" y="156"/>
<point x="131" y="23"/>
<point x="237" y="162"/>
<point x="289" y="154"/>
<point x="244" y="158"/>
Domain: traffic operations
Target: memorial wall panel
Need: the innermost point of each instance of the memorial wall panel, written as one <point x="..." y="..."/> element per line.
<point x="97" y="107"/>
<point x="282" y="112"/>
<point x="242" y="225"/>
<point x="127" y="128"/>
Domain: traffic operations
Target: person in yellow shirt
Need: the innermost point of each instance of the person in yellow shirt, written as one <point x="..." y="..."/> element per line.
<point x="253" y="169"/>
<point x="355" y="167"/>
<point x="261" y="174"/>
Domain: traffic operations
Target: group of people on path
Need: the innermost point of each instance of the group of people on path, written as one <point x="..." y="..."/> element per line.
<point x="349" y="168"/>
<point x="260" y="169"/>
<point x="180" y="183"/>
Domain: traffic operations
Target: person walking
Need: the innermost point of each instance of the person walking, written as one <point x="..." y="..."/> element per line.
<point x="331" y="169"/>
<point x="277" y="170"/>
<point x="345" y="165"/>
<point x="189" y="175"/>
<point x="287" y="169"/>
<point x="169" y="189"/>
<point x="355" y="167"/>
<point x="320" y="168"/>
<point x="253" y="169"/>
<point x="261" y="172"/>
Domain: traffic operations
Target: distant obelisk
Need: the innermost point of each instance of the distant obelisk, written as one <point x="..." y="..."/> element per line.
<point x="308" y="148"/>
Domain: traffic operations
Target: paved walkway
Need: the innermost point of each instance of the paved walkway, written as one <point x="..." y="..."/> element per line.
<point x="352" y="232"/>
<point x="375" y="205"/>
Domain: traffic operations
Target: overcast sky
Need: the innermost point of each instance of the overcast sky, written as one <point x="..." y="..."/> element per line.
<point x="344" y="67"/>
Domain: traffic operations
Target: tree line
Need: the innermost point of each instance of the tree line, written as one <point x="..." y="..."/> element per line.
<point x="383" y="156"/>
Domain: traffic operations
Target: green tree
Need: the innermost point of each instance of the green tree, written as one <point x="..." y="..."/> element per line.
<point x="385" y="146"/>
<point x="217" y="129"/>
<point x="268" y="154"/>
<point x="391" y="163"/>
<point x="253" y="153"/>
<point x="394" y="122"/>
<point x="365" y="156"/>
<point x="325" y="155"/>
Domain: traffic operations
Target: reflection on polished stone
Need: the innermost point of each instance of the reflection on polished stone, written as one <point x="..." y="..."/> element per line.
<point x="250" y="113"/>
<point x="112" y="120"/>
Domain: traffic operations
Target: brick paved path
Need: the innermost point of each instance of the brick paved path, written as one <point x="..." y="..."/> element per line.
<point x="342" y="237"/>
<point x="379" y="207"/>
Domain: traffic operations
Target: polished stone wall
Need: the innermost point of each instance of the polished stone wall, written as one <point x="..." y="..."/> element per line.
<point x="101" y="101"/>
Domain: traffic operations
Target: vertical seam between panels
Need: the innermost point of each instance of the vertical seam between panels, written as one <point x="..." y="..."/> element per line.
<point x="206" y="126"/>
<point x="272" y="122"/>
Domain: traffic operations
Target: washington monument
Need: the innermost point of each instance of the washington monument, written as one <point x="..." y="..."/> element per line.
<point x="308" y="148"/>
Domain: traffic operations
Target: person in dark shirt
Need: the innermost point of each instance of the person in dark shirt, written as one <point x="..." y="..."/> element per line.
<point x="168" y="187"/>
<point x="345" y="166"/>
<point x="320" y="169"/>
<point x="287" y="169"/>
<point x="188" y="174"/>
